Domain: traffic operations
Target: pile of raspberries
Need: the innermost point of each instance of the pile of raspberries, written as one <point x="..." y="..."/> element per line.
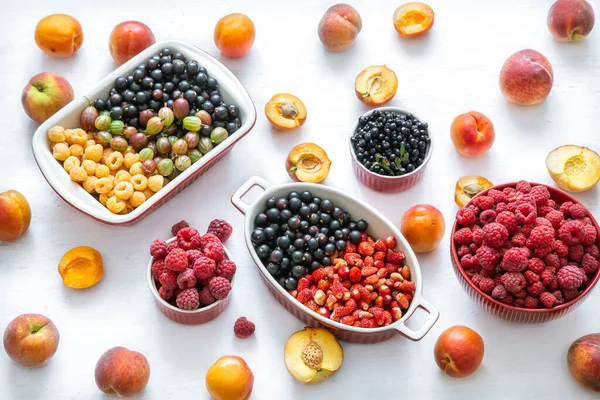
<point x="523" y="249"/>
<point x="192" y="271"/>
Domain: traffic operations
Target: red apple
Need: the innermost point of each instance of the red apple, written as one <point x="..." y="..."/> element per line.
<point x="31" y="340"/>
<point x="122" y="372"/>
<point x="15" y="215"/>
<point x="423" y="226"/>
<point x="128" y="39"/>
<point x="472" y="134"/>
<point x="44" y="95"/>
<point x="459" y="351"/>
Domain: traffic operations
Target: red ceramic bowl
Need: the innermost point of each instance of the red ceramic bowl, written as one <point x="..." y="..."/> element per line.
<point x="194" y="317"/>
<point x="383" y="183"/>
<point x="512" y="313"/>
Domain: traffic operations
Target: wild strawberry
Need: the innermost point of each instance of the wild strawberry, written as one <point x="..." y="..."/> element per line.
<point x="396" y="258"/>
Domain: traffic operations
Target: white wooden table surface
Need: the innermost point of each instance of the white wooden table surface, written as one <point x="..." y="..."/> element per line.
<point x="450" y="71"/>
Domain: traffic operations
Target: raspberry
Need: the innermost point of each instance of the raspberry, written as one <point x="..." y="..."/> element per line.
<point x="555" y="218"/>
<point x="592" y="250"/>
<point x="208" y="238"/>
<point x="168" y="279"/>
<point x="499" y="292"/>
<point x="558" y="296"/>
<point x="589" y="264"/>
<point x="498" y="196"/>
<point x="176" y="260"/>
<point x="509" y="220"/>
<point x="572" y="232"/>
<point x="495" y="235"/>
<point x="585" y="221"/>
<point x="541" y="221"/>
<point x="165" y="294"/>
<point x="564" y="208"/>
<point x="526" y="213"/>
<point x="465" y="217"/>
<point x="518" y="239"/>
<point x="552" y="260"/>
<point x="569" y="277"/>
<point x="488" y="258"/>
<point x="531" y="277"/>
<point x="463" y="250"/>
<point x="188" y="299"/>
<point x="590" y="235"/>
<point x="186" y="279"/>
<point x="509" y="299"/>
<point x="501" y="207"/>
<point x="514" y="260"/>
<point x="476" y="278"/>
<point x="536" y="265"/>
<point x="542" y="236"/>
<point x="188" y="238"/>
<point x="487" y="216"/>
<point x="158" y="249"/>
<point x="483" y="202"/>
<point x="576" y="252"/>
<point x="536" y="289"/>
<point x="578" y="211"/>
<point x="463" y="236"/>
<point x="544" y="210"/>
<point x="542" y="251"/>
<point x="226" y="269"/>
<point x="158" y="267"/>
<point x="220" y="228"/>
<point x="171" y="246"/>
<point x="468" y="261"/>
<point x="540" y="195"/>
<point x="570" y="294"/>
<point x="531" y="302"/>
<point x="548" y="299"/>
<point x="560" y="248"/>
<point x="204" y="268"/>
<point x="219" y="287"/>
<point x="519" y="303"/>
<point x="477" y="235"/>
<point x="487" y="285"/>
<point x="178" y="226"/>
<point x="192" y="256"/>
<point x="514" y="282"/>
<point x="523" y="187"/>
<point x="205" y="297"/>
<point x="243" y="328"/>
<point x="509" y="190"/>
<point x="213" y="249"/>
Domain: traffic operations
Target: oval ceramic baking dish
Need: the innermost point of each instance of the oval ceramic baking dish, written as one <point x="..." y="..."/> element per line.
<point x="232" y="91"/>
<point x="379" y="226"/>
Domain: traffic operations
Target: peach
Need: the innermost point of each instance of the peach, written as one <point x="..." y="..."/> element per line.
<point x="570" y="20"/>
<point x="413" y="19"/>
<point x="459" y="351"/>
<point x="15" y="215"/>
<point x="339" y="27"/>
<point x="583" y="359"/>
<point x="122" y="372"/>
<point x="526" y="77"/>
<point x="468" y="187"/>
<point x="44" y="95"/>
<point x="574" y="168"/>
<point x="285" y="111"/>
<point x="229" y="378"/>
<point x="375" y="85"/>
<point x="308" y="162"/>
<point x="128" y="39"/>
<point x="31" y="340"/>
<point x="234" y="35"/>
<point x="472" y="134"/>
<point x="423" y="226"/>
<point x="59" y="35"/>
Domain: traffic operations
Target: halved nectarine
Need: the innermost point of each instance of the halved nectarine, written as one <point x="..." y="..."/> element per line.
<point x="467" y="187"/>
<point x="376" y="85"/>
<point x="574" y="168"/>
<point x="308" y="162"/>
<point x="312" y="355"/>
<point x="413" y="19"/>
<point x="285" y="111"/>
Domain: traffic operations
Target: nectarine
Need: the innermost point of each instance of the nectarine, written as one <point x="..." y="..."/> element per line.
<point x="44" y="95"/>
<point x="59" y="35"/>
<point x="15" y="215"/>
<point x="339" y="27"/>
<point x="472" y="134"/>
<point x="574" y="168"/>
<point x="128" y="39"/>
<point x="122" y="372"/>
<point x="234" y="35"/>
<point x="459" y="351"/>
<point x="570" y="20"/>
<point x="526" y="77"/>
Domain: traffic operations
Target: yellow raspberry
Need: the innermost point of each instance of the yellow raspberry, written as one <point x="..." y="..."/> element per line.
<point x="78" y="174"/>
<point x="155" y="182"/>
<point x="115" y="205"/>
<point x="90" y="184"/>
<point x="56" y="134"/>
<point x="71" y="163"/>
<point x="137" y="199"/>
<point x="60" y="151"/>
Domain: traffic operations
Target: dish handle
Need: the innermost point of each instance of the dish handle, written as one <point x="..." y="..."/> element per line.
<point x="236" y="198"/>
<point x="417" y="335"/>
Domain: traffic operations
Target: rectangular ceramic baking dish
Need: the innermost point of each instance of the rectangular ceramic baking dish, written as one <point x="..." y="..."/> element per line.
<point x="232" y="92"/>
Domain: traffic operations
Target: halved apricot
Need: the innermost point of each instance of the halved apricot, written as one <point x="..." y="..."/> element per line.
<point x="285" y="111"/>
<point x="469" y="186"/>
<point x="376" y="85"/>
<point x="574" y="168"/>
<point x="308" y="162"/>
<point x="413" y="19"/>
<point x="81" y="267"/>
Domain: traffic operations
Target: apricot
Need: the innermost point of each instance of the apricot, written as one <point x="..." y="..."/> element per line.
<point x="234" y="35"/>
<point x="376" y="85"/>
<point x="574" y="168"/>
<point x="312" y="355"/>
<point x="81" y="267"/>
<point x="526" y="77"/>
<point x="468" y="187"/>
<point x="128" y="39"/>
<point x="15" y="216"/>
<point x="583" y="359"/>
<point x="413" y="19"/>
<point x="59" y="35"/>
<point x="459" y="351"/>
<point x="308" y="162"/>
<point x="285" y="111"/>
<point x="472" y="134"/>
<point x="339" y="27"/>
<point x="230" y="378"/>
<point x="423" y="226"/>
<point x="570" y="20"/>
